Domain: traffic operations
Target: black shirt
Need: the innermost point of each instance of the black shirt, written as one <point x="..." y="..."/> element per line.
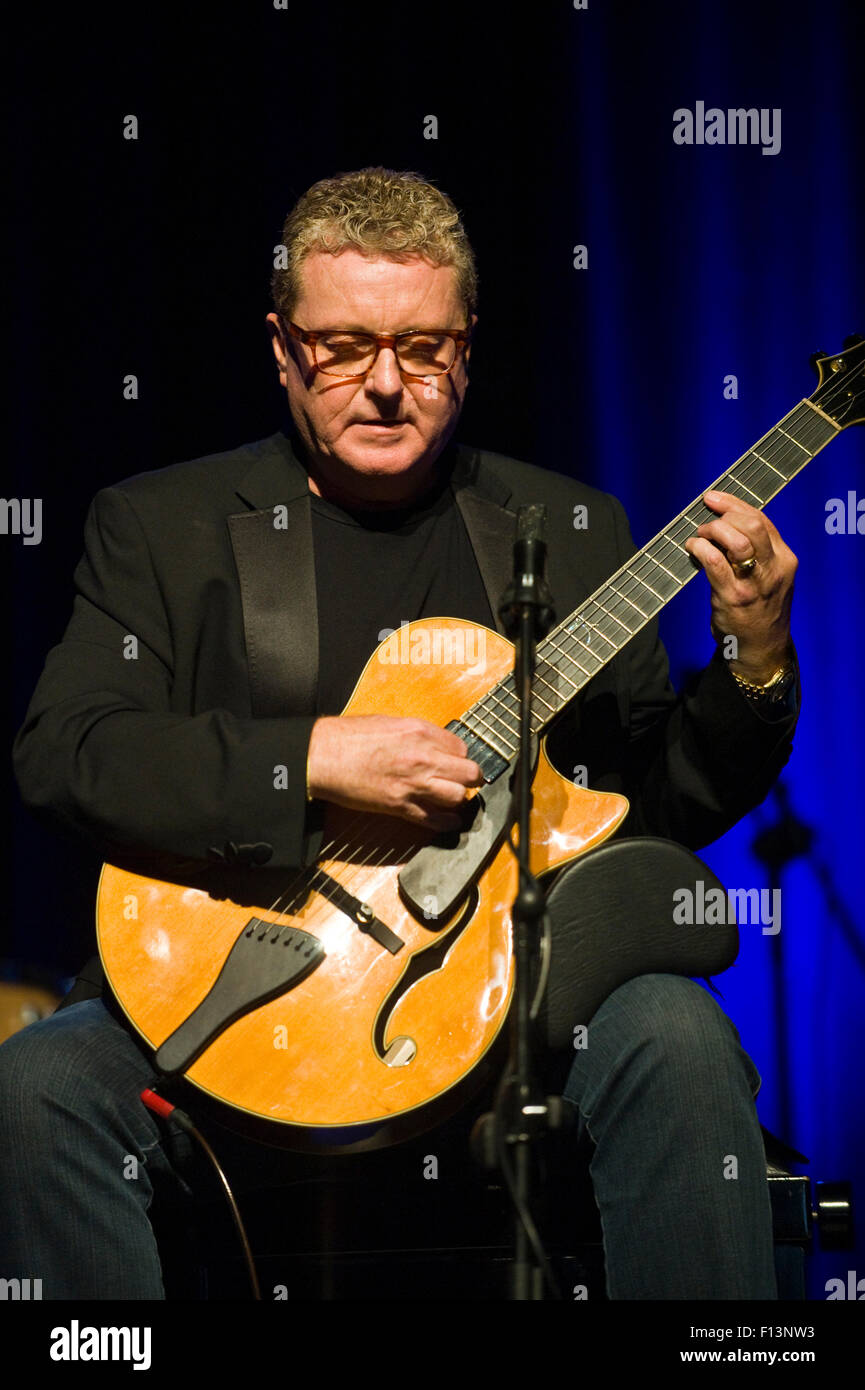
<point x="377" y="569"/>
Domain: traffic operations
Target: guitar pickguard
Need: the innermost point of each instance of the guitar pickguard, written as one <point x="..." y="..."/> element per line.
<point x="439" y="875"/>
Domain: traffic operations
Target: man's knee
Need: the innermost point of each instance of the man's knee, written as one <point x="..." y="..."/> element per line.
<point x="73" y="1062"/>
<point x="26" y="1066"/>
<point x="669" y="1022"/>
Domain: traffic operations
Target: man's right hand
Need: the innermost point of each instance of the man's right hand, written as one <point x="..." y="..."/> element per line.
<point x="398" y="767"/>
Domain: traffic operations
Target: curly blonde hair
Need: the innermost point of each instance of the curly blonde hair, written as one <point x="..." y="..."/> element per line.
<point x="382" y="212"/>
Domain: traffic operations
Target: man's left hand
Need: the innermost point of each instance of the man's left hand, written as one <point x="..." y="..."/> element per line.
<point x="753" y="607"/>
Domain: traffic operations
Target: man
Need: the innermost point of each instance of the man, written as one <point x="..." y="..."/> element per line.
<point x="248" y="639"/>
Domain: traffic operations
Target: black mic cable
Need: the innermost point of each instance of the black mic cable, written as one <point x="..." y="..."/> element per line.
<point x="166" y="1110"/>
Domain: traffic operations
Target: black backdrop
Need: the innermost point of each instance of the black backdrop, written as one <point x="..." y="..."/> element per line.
<point x="152" y="257"/>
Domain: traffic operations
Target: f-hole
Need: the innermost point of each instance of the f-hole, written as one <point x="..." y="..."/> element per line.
<point x="422" y="963"/>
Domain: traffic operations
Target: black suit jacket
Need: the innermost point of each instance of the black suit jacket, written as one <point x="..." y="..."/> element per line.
<point x="187" y="673"/>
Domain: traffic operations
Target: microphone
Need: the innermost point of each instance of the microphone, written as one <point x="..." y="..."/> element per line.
<point x="530" y="547"/>
<point x="529" y="586"/>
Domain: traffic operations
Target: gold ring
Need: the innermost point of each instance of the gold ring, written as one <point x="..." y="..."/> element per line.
<point x="742" y="567"/>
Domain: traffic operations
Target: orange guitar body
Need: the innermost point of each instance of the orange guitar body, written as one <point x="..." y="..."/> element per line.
<point x="309" y="1060"/>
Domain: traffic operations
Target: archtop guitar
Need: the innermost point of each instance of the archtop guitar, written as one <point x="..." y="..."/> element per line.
<point x="359" y="998"/>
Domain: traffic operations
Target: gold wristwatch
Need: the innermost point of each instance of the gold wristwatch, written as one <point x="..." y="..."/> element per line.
<point x="774" y="689"/>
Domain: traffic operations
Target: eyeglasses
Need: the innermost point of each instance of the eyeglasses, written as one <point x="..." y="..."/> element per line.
<point x="344" y="353"/>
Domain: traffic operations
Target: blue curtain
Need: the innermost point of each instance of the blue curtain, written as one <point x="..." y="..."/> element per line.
<point x="705" y="262"/>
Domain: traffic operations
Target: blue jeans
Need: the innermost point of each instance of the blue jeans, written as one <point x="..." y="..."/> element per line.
<point x="665" y="1093"/>
<point x="663" y="1089"/>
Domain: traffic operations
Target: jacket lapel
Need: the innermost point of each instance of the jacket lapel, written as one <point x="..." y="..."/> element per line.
<point x="490" y="526"/>
<point x="273" y="553"/>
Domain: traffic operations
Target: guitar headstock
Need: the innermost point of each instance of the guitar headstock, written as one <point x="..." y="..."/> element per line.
<point x="841" y="392"/>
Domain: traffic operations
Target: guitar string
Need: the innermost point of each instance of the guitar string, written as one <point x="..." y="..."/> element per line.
<point x="750" y="474"/>
<point x="749" y="468"/>
<point x="332" y="850"/>
<point x="642" y="564"/>
<point x="635" y="578"/>
<point x="643" y="573"/>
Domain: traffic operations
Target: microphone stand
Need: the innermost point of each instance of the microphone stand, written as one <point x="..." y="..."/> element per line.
<point x="522" y="1113"/>
<point x="777" y="846"/>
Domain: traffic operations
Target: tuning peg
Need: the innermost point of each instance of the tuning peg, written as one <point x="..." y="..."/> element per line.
<point x="853" y="340"/>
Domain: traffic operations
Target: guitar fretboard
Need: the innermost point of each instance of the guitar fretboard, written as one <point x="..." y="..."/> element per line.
<point x="597" y="631"/>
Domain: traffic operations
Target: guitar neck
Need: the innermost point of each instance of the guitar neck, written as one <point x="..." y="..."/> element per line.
<point x="597" y="631"/>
